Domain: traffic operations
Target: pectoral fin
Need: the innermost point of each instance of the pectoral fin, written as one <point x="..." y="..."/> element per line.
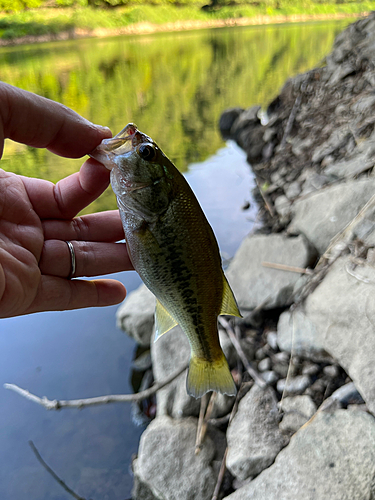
<point x="163" y="321"/>
<point x="229" y="305"/>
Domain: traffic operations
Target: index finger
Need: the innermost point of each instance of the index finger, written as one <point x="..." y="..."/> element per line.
<point x="39" y="122"/>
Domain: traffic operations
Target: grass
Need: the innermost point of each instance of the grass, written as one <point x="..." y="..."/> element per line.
<point x="51" y="21"/>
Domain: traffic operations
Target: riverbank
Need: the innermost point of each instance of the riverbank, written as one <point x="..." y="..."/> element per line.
<point x="305" y="422"/>
<point x="44" y="25"/>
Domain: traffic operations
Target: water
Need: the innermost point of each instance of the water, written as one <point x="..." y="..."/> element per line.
<point x="174" y="86"/>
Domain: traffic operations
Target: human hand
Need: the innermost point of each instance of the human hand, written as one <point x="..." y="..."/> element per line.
<point x="37" y="217"/>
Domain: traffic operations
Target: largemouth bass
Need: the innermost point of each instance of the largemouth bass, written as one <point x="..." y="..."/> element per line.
<point x="174" y="250"/>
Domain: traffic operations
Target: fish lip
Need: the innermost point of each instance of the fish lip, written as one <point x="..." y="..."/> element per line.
<point x="126" y="141"/>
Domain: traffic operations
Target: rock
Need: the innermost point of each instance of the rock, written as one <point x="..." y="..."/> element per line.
<point x="331" y="458"/>
<point x="339" y="318"/>
<point x="337" y="139"/>
<point x="347" y="394"/>
<point x="322" y="215"/>
<point x="227" y="118"/>
<point x="253" y="436"/>
<point x="264" y="365"/>
<point x="254" y="284"/>
<point x="171" y="351"/>
<point x="136" y="315"/>
<point x="272" y="340"/>
<point x="293" y="385"/>
<point x="293" y="190"/>
<point x="296" y="332"/>
<point x="310" y="369"/>
<point x="167" y="462"/>
<point x="297" y="411"/>
<point x="270" y="377"/>
<point x="331" y="371"/>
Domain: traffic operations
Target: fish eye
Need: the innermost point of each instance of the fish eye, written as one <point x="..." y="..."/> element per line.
<point x="147" y="152"/>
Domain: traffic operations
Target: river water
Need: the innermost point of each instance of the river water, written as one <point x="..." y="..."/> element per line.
<point x="174" y="86"/>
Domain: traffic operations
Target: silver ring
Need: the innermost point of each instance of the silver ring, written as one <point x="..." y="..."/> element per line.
<point x="72" y="260"/>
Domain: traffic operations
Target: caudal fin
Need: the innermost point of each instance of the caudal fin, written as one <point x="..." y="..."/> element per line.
<point x="205" y="376"/>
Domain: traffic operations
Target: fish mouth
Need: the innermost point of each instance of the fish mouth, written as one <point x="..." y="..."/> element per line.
<point x="123" y="142"/>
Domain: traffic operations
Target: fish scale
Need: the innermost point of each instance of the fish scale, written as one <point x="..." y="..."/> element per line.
<point x="174" y="250"/>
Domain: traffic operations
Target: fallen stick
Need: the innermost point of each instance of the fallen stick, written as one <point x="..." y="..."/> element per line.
<point x="53" y="473"/>
<point x="284" y="267"/>
<point x="100" y="400"/>
<point x="251" y="371"/>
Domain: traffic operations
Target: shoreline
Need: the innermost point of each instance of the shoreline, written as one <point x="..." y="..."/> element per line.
<point x="149" y="28"/>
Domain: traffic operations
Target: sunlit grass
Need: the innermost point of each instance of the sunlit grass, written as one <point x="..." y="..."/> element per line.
<point x="45" y="21"/>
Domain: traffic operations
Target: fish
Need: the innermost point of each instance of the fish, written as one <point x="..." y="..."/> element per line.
<point x="174" y="250"/>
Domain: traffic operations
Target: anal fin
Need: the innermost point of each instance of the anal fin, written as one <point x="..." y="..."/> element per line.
<point x="163" y="321"/>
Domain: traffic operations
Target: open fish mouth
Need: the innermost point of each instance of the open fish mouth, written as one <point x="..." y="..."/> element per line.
<point x="128" y="139"/>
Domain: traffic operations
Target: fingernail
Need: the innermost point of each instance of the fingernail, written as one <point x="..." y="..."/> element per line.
<point x="105" y="130"/>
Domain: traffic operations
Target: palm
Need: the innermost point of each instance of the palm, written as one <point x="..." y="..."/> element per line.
<point x="22" y="243"/>
<point x="38" y="217"/>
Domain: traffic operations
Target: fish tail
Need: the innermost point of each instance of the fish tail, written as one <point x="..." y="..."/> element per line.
<point x="205" y="376"/>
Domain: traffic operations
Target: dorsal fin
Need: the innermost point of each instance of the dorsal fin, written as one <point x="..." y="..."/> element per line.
<point x="229" y="305"/>
<point x="163" y="321"/>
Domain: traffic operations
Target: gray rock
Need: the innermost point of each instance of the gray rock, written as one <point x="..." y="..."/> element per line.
<point x="167" y="463"/>
<point x="337" y="140"/>
<point x="171" y="351"/>
<point x="322" y="215"/>
<point x="351" y="167"/>
<point x="296" y="332"/>
<point x="272" y="340"/>
<point x="347" y="394"/>
<point x="270" y="377"/>
<point x="293" y="385"/>
<point x="293" y="190"/>
<point x="283" y="206"/>
<point x="228" y="117"/>
<point x="264" y="365"/>
<point x="253" y="437"/>
<point x="331" y="458"/>
<point x="339" y="316"/>
<point x="364" y="103"/>
<point x="254" y="284"/>
<point x="136" y="315"/>
<point x="297" y="411"/>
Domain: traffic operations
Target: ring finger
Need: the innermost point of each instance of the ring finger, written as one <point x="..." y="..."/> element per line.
<point x="92" y="258"/>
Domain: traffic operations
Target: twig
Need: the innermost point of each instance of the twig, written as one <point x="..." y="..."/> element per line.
<point x="290" y="121"/>
<point x="200" y="423"/>
<point x="53" y="474"/>
<point x="266" y="200"/>
<point x="220" y="477"/>
<point x="284" y="267"/>
<point x="100" y="400"/>
<point x="203" y="427"/>
<point x="252" y="371"/>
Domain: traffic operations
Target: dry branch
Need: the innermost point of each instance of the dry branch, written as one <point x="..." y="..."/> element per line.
<point x="250" y="369"/>
<point x="100" y="400"/>
<point x="53" y="473"/>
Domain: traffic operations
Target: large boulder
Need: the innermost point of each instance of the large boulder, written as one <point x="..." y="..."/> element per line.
<point x="339" y="317"/>
<point x="136" y="315"/>
<point x="253" y="284"/>
<point x="254" y="438"/>
<point x="321" y="215"/>
<point x="330" y="458"/>
<point x="168" y="466"/>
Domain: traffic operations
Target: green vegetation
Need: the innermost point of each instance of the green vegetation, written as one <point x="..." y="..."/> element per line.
<point x="174" y="86"/>
<point x="33" y="17"/>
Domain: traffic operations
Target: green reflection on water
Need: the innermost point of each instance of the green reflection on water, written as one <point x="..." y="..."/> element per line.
<point x="173" y="86"/>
